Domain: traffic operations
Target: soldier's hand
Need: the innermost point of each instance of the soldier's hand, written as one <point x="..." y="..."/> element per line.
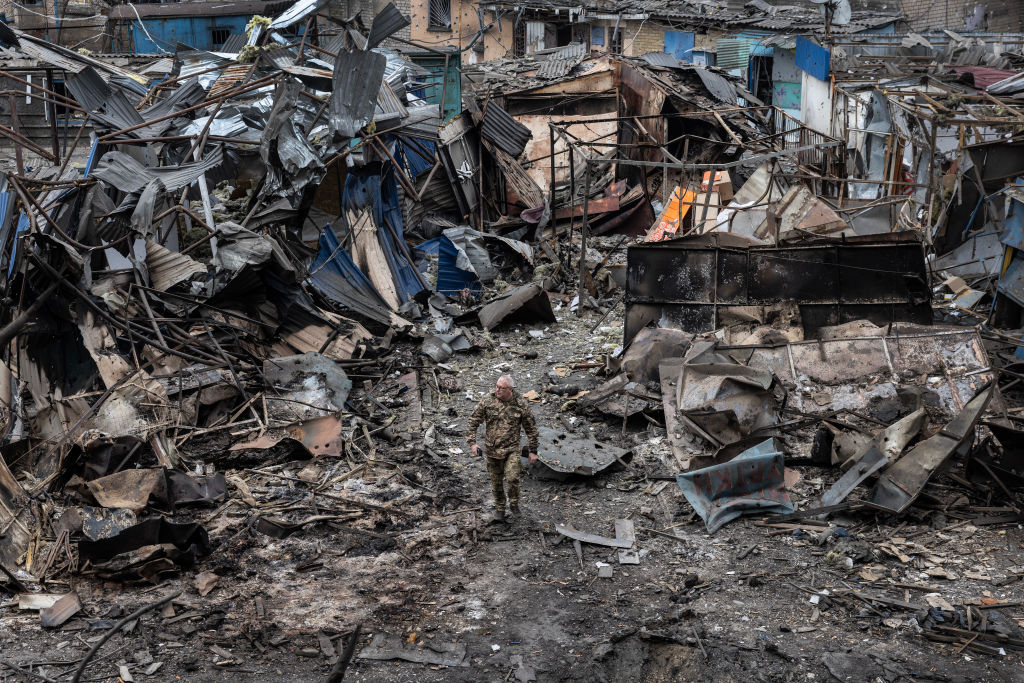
<point x="533" y="458"/>
<point x="475" y="450"/>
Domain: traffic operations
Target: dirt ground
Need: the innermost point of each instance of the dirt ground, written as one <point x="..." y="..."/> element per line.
<point x="747" y="603"/>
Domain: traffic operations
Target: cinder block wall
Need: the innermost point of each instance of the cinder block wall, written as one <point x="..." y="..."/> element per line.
<point x="997" y="16"/>
<point x="639" y="38"/>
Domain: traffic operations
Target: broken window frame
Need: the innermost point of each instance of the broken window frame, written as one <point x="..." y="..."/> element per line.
<point x="439" y="15"/>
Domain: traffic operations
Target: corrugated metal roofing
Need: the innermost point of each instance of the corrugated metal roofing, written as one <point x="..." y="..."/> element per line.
<point x="357" y="79"/>
<point x="88" y="89"/>
<point x="167" y="268"/>
<point x="297" y="12"/>
<point x="718" y="86"/>
<point x="560" y="62"/>
<point x="662" y="59"/>
<point x="335" y="275"/>
<point x="234" y="43"/>
<point x="160" y="67"/>
<point x="388" y="105"/>
<point x="387" y="22"/>
<point x="119" y="170"/>
<point x="504" y="131"/>
<point x="733" y="53"/>
<point x="230" y="77"/>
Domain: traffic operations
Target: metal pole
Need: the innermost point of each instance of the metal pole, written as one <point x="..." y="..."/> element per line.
<point x="13" y="103"/>
<point x="581" y="291"/>
<point x="551" y="190"/>
<point x="51" y="109"/>
<point x="572" y="190"/>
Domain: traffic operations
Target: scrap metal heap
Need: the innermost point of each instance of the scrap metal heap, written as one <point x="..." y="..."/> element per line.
<point x="274" y="250"/>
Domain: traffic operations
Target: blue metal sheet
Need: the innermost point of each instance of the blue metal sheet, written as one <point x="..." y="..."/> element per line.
<point x="335" y="275"/>
<point x="416" y="163"/>
<point x="812" y="58"/>
<point x="597" y="35"/>
<point x="753" y="481"/>
<point x="22" y="227"/>
<point x="1013" y="233"/>
<point x="450" y="278"/>
<point x="1012" y="282"/>
<point x="679" y="45"/>
<point x="379" y="192"/>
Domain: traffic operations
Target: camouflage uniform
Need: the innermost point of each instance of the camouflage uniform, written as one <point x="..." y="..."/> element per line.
<point x="501" y="442"/>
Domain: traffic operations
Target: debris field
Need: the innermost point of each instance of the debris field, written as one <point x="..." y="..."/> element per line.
<point x="776" y="365"/>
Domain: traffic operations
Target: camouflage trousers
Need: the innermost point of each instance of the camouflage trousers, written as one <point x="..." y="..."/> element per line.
<point x="504" y="470"/>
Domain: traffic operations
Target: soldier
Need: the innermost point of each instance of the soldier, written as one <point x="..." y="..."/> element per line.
<point x="505" y="413"/>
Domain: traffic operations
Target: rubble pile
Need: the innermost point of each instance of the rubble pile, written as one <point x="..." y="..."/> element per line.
<point x="777" y="371"/>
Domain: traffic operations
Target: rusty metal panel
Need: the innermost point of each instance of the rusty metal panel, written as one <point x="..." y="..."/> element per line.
<point x="685" y="284"/>
<point x="567" y="454"/>
<point x="752" y="482"/>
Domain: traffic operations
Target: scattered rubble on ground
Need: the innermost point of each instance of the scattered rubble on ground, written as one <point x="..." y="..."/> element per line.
<point x="777" y="372"/>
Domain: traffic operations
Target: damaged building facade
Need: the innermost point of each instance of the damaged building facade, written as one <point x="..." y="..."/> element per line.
<point x="755" y="270"/>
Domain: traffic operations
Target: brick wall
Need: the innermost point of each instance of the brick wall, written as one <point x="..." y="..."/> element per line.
<point x="639" y="38"/>
<point x="957" y="15"/>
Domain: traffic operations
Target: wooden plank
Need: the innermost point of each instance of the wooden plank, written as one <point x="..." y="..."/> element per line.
<point x="625" y="531"/>
<point x="592" y="538"/>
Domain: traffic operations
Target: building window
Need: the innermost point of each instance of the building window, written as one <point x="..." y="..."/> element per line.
<point x="519" y="40"/>
<point x="597" y="36"/>
<point x="59" y="110"/>
<point x="219" y="35"/>
<point x="615" y="40"/>
<point x="439" y="15"/>
<point x="581" y="34"/>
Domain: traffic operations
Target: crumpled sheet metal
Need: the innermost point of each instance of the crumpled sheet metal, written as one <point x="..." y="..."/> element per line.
<point x="148" y="551"/>
<point x="387" y="22"/>
<point x="17" y="523"/>
<point x="385" y="646"/>
<point x="954" y="358"/>
<point x="357" y="79"/>
<point x="134" y="489"/>
<point x="335" y="275"/>
<point x="727" y="401"/>
<point x="901" y="484"/>
<point x="649" y="347"/>
<point x="306" y="385"/>
<point x="124" y="173"/>
<point x="473" y="254"/>
<point x="752" y="482"/>
<point x="526" y="304"/>
<point x="319" y="436"/>
<point x="296" y="13"/>
<point x="567" y="454"/>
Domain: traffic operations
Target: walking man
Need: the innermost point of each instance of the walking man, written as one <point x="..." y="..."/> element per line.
<point x="505" y="412"/>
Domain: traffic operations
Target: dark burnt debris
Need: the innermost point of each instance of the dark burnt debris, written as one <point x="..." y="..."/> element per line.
<point x="773" y="343"/>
